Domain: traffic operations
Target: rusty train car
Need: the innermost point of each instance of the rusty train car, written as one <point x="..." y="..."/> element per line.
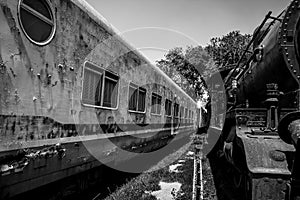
<point x="257" y="154"/>
<point x="73" y="93"/>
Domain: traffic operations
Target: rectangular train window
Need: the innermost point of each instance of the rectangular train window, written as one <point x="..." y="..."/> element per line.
<point x="137" y="98"/>
<point x="193" y="116"/>
<point x="156" y="104"/>
<point x="176" y="110"/>
<point x="132" y="97"/>
<point x="100" y="87"/>
<point x="142" y="99"/>
<point x="181" y="114"/>
<point x="176" y="113"/>
<point x="168" y="107"/>
<point x="186" y="115"/>
<point x="110" y="96"/>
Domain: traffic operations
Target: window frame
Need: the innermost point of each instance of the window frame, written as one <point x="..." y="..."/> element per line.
<point x="41" y="17"/>
<point x="102" y="86"/>
<point x="185" y="115"/>
<point x="99" y="73"/>
<point x="157" y="96"/>
<point x="178" y="110"/>
<point x="137" y="88"/>
<point x="181" y="113"/>
<point x="170" y="108"/>
<point x="193" y="117"/>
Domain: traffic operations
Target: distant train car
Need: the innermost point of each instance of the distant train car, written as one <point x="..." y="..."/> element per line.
<point x="67" y="81"/>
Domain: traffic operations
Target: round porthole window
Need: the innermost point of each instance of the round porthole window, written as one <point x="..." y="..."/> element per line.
<point x="37" y="20"/>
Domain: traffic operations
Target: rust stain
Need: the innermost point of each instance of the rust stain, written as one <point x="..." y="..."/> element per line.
<point x="11" y="21"/>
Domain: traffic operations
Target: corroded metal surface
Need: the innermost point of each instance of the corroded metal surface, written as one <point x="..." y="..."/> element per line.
<point x="269" y="188"/>
<point x="267" y="155"/>
<point x="251" y="160"/>
<point x="41" y="105"/>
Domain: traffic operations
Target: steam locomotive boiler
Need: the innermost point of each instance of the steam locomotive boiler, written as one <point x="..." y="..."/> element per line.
<point x="257" y="154"/>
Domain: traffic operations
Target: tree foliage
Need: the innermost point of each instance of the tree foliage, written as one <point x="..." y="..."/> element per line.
<point x="227" y="50"/>
<point x="185" y="68"/>
<point x="190" y="67"/>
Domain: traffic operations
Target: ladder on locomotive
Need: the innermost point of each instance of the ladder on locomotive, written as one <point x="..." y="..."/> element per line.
<point x="238" y="71"/>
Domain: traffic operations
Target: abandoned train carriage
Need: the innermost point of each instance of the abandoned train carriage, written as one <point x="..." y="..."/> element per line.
<point x="67" y="77"/>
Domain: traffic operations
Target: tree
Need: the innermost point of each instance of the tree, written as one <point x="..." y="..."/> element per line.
<point x="185" y="68"/>
<point x="190" y="67"/>
<point x="227" y="50"/>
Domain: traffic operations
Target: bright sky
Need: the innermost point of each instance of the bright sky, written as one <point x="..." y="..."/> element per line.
<point x="154" y="26"/>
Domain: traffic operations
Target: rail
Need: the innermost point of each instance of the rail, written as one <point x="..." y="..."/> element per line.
<point x="198" y="188"/>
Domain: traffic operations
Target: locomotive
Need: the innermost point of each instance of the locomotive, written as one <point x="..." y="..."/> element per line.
<point x="74" y="95"/>
<point x="257" y="153"/>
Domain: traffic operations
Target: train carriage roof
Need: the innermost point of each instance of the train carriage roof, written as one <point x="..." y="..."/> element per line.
<point x="98" y="18"/>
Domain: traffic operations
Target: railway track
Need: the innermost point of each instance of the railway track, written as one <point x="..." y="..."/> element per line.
<point x="198" y="175"/>
<point x="203" y="184"/>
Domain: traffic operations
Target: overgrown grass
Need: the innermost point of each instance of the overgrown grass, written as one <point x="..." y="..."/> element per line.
<point x="209" y="187"/>
<point x="149" y="181"/>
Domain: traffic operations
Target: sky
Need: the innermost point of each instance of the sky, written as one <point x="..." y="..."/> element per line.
<point x="155" y="26"/>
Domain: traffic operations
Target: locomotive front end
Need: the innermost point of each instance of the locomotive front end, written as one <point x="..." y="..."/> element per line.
<point x="288" y="39"/>
<point x="275" y="59"/>
<point x="289" y="125"/>
<point x="258" y="151"/>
